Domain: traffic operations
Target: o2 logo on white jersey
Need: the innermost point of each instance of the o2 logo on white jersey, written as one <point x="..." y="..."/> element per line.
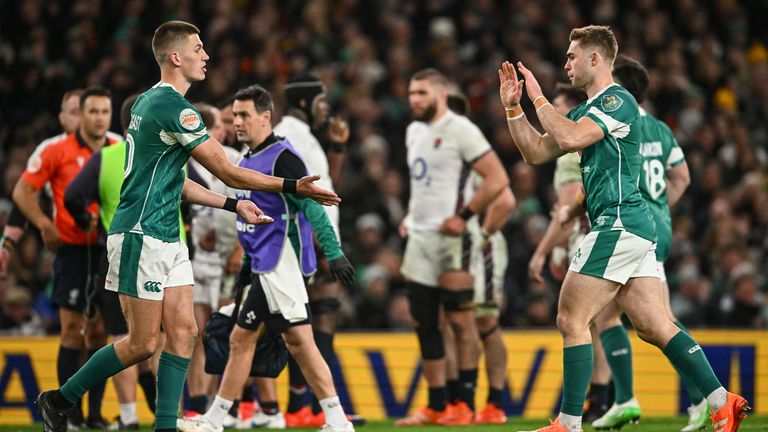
<point x="419" y="170"/>
<point x="189" y="119"/>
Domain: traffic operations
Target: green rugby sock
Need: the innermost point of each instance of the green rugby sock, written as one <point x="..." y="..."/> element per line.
<point x="693" y="392"/>
<point x="577" y="371"/>
<point x="171" y="374"/>
<point x="689" y="360"/>
<point x="102" y="365"/>
<point x="618" y="352"/>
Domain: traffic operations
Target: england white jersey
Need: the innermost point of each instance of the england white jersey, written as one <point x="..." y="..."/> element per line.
<point x="301" y="138"/>
<point x="440" y="158"/>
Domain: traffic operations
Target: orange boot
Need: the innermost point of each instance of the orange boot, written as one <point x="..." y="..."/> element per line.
<point x="554" y="426"/>
<point x="459" y="415"/>
<point x="491" y="414"/>
<point x="425" y="416"/>
<point x="729" y="417"/>
<point x="300" y="418"/>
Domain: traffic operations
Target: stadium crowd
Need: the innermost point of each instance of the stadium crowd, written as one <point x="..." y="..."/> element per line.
<point x="709" y="72"/>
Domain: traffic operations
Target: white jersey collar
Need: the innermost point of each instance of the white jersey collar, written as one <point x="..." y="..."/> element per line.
<point x="445" y="118"/>
<point x="165" y="84"/>
<point x="590" y="100"/>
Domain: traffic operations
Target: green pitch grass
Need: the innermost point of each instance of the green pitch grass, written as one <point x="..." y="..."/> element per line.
<point x="673" y="424"/>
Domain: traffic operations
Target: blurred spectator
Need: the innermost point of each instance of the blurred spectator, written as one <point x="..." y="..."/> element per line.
<point x="745" y="305"/>
<point x="17" y="317"/>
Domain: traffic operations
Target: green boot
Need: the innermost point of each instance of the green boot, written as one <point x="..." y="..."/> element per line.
<point x="698" y="417"/>
<point x="619" y="415"/>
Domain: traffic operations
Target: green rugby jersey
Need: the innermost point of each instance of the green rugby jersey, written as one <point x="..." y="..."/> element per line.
<point x="610" y="168"/>
<point x="164" y="128"/>
<point x="660" y="152"/>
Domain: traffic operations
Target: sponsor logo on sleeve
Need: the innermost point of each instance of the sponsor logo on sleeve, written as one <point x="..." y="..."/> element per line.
<point x="189" y="119"/>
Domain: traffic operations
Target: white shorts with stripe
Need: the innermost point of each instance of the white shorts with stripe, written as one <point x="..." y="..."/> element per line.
<point x="615" y="255"/>
<point x="141" y="266"/>
<point x="488" y="266"/>
<point x="428" y="254"/>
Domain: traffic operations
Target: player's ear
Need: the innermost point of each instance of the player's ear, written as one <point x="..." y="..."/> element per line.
<point x="175" y="58"/>
<point x="594" y="58"/>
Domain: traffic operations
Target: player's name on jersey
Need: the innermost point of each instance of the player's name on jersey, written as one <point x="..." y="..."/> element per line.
<point x="135" y="122"/>
<point x="651" y="149"/>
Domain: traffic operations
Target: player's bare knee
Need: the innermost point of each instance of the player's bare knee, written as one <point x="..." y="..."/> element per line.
<point x="647" y="334"/>
<point x="142" y="348"/>
<point x="240" y="340"/>
<point x="296" y="344"/>
<point x="570" y="325"/>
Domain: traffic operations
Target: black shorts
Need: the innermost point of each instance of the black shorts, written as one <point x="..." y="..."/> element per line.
<point x="114" y="320"/>
<point x="78" y="278"/>
<point x="255" y="311"/>
<point x="111" y="312"/>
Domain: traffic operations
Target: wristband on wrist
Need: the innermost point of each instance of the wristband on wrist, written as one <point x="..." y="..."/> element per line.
<point x="513" y="112"/>
<point x="337" y="148"/>
<point x="466" y="213"/>
<point x="540" y="102"/>
<point x="230" y="204"/>
<point x="289" y="186"/>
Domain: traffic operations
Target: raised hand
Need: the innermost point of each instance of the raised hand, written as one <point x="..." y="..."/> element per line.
<point x="510" y="88"/>
<point x="338" y="131"/>
<point x="251" y="213"/>
<point x="531" y="84"/>
<point x="306" y="187"/>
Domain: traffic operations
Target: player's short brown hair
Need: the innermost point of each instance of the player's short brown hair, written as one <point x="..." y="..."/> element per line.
<point x="169" y="34"/>
<point x="433" y="75"/>
<point x="598" y="37"/>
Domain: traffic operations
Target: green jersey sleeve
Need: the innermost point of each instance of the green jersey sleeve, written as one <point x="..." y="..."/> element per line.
<point x="321" y="224"/>
<point x="614" y="111"/>
<point x="675" y="156"/>
<point x="181" y="123"/>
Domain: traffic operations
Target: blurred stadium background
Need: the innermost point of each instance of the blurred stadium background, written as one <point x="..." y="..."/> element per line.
<point x="708" y="63"/>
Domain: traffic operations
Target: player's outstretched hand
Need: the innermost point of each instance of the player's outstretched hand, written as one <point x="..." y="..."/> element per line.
<point x="251" y="213"/>
<point x="510" y="88"/>
<point x="342" y="270"/>
<point x="531" y="84"/>
<point x="306" y="187"/>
